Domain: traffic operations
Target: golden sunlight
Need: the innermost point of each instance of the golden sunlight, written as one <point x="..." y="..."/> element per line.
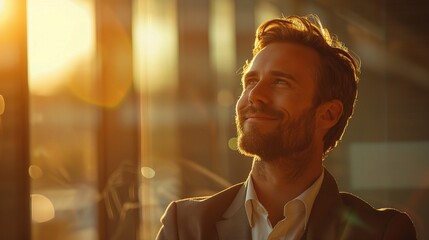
<point x="60" y="34"/>
<point x="155" y="50"/>
<point x="1" y="6"/>
<point x="5" y="8"/>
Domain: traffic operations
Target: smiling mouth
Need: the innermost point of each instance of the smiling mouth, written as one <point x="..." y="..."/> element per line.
<point x="260" y="118"/>
<point x="262" y="114"/>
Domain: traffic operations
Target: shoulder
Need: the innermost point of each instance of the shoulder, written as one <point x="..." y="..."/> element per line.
<point x="386" y="223"/>
<point x="220" y="200"/>
<point x="224" y="194"/>
<point x="194" y="218"/>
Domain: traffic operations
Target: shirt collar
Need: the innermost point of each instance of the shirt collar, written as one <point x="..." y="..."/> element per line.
<point x="307" y="197"/>
<point x="251" y="201"/>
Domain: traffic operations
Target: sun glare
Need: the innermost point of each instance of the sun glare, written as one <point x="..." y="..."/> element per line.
<point x="5" y="8"/>
<point x="1" y="6"/>
<point x="60" y="33"/>
<point x="155" y="38"/>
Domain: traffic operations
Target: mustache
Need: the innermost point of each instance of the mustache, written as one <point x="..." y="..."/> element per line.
<point x="251" y="109"/>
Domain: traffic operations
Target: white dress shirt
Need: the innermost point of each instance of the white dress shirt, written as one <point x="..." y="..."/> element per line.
<point x="296" y="211"/>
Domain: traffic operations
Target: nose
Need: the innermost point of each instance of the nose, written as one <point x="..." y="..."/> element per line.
<point x="259" y="94"/>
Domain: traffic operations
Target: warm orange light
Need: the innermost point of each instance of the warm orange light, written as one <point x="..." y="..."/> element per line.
<point x="148" y="172"/>
<point x="155" y="49"/>
<point x="60" y="34"/>
<point x="1" y="6"/>
<point x="233" y="144"/>
<point x="2" y="105"/>
<point x="35" y="171"/>
<point x="5" y="10"/>
<point x="42" y="209"/>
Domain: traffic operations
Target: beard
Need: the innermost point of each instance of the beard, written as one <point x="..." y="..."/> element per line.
<point x="284" y="141"/>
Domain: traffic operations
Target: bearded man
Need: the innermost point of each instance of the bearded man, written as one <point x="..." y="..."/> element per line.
<point x="299" y="92"/>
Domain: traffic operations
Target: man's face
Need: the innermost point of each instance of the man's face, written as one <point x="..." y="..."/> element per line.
<point x="275" y="113"/>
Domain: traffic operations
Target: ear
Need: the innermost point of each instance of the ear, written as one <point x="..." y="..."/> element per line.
<point x="329" y="113"/>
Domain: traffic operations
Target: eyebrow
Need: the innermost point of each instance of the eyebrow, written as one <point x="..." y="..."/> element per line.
<point x="273" y="72"/>
<point x="283" y="74"/>
<point x="250" y="74"/>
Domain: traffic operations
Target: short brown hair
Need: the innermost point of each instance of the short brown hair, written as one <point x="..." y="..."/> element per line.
<point x="338" y="74"/>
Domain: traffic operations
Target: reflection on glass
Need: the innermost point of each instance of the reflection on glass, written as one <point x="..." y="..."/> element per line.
<point x="155" y="49"/>
<point x="63" y="170"/>
<point x="222" y="36"/>
<point x="155" y="42"/>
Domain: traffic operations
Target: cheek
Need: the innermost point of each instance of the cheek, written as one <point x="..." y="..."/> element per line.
<point x="241" y="102"/>
<point x="291" y="103"/>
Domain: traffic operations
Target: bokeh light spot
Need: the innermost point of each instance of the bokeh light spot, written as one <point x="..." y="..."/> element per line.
<point x="233" y="144"/>
<point x="42" y="209"/>
<point x="148" y="172"/>
<point x="35" y="171"/>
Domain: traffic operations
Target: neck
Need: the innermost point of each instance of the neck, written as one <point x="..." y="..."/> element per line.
<point x="276" y="182"/>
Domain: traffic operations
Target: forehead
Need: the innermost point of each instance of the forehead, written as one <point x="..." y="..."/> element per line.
<point x="294" y="59"/>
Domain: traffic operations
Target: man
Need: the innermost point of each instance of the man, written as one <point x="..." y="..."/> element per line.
<point x="298" y="94"/>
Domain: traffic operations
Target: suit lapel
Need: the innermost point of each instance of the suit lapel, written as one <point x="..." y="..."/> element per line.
<point x="234" y="228"/>
<point x="234" y="225"/>
<point x="327" y="216"/>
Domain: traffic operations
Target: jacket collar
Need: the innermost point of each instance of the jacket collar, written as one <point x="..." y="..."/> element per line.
<point x="327" y="218"/>
<point x="234" y="224"/>
<point x="326" y="222"/>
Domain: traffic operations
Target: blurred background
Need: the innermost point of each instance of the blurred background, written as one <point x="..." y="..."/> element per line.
<point x="114" y="108"/>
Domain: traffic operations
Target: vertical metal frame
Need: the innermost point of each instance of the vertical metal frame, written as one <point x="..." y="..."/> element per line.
<point x="119" y="141"/>
<point x="15" y="219"/>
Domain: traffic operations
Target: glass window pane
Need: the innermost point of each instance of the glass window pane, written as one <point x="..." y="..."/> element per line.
<point x="156" y="74"/>
<point x="63" y="120"/>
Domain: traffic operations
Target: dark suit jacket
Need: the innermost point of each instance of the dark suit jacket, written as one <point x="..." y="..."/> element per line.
<point x="334" y="215"/>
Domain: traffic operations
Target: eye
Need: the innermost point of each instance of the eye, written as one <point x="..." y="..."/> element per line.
<point x="249" y="82"/>
<point x="281" y="82"/>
